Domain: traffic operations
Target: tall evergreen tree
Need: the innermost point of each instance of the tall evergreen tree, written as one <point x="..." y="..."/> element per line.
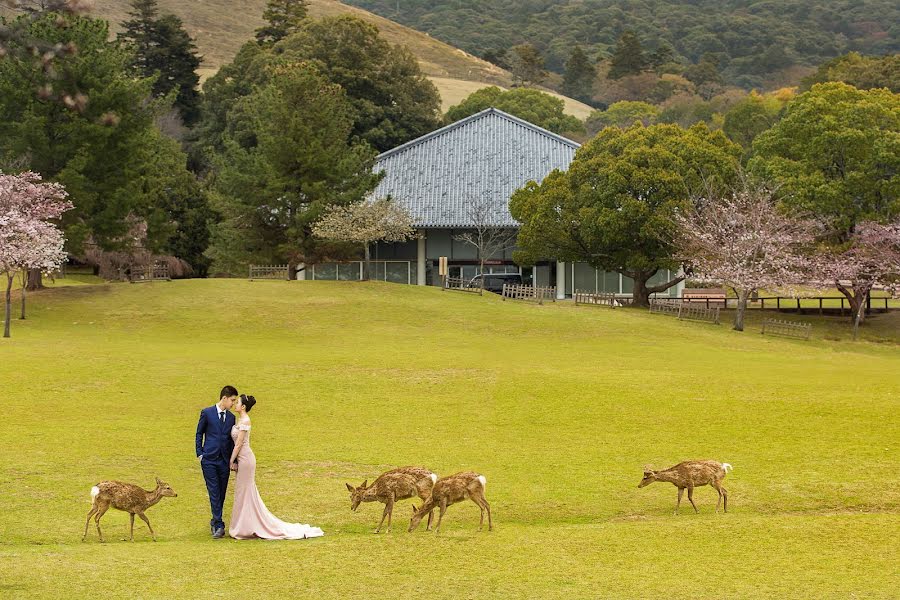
<point x="628" y="58"/>
<point x="162" y="46"/>
<point x="527" y="64"/>
<point x="578" y="81"/>
<point x="283" y="17"/>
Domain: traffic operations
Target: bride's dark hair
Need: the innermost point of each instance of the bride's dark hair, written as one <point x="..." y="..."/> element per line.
<point x="247" y="401"/>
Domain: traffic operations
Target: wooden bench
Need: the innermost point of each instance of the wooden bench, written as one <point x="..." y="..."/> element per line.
<point x="277" y="272"/>
<point x="790" y="329"/>
<point x="596" y="299"/>
<point x="685" y="312"/>
<point x="144" y="274"/>
<point x="460" y="284"/>
<point x="516" y="291"/>
<point x="709" y="297"/>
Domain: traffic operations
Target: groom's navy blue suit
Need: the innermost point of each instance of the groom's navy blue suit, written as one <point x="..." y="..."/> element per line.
<point x="214" y="444"/>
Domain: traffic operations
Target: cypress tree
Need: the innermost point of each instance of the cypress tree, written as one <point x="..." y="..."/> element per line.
<point x="283" y="17"/>
<point x="628" y="59"/>
<point x="578" y="80"/>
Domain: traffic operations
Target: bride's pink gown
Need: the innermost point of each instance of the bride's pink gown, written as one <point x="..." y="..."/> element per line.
<point x="249" y="516"/>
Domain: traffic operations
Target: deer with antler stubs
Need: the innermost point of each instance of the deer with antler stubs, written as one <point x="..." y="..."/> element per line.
<point x="690" y="474"/>
<point x="393" y="485"/>
<point x="125" y="497"/>
<point x="450" y="490"/>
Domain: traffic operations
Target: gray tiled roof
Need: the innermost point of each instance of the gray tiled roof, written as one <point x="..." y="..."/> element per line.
<point x="479" y="160"/>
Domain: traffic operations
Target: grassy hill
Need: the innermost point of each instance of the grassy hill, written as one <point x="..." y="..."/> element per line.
<point x="558" y="407"/>
<point x="221" y="26"/>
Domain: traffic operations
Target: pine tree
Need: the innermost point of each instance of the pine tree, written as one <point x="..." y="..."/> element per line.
<point x="283" y="17"/>
<point x="163" y="46"/>
<point x="662" y="57"/>
<point x="526" y="64"/>
<point x="578" y="80"/>
<point x="628" y="58"/>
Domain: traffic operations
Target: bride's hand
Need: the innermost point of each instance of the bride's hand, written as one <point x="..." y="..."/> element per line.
<point x="234" y="465"/>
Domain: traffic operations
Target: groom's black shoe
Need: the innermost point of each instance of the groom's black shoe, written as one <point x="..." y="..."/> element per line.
<point x="212" y="526"/>
<point x="219" y="533"/>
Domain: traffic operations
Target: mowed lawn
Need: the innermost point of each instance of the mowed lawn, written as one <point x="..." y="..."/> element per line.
<point x="559" y="407"/>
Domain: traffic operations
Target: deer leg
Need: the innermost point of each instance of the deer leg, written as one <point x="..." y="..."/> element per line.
<point x="387" y="508"/>
<point x="390" y="509"/>
<point x="425" y="495"/>
<point x="88" y="523"/>
<point x="437" y="528"/>
<point x="691" y="498"/>
<point x="725" y="497"/>
<point x="147" y="521"/>
<point x="718" y="487"/>
<point x="479" y="505"/>
<point x="678" y="504"/>
<point x="100" y="512"/>
<point x="132" y="526"/>
<point x="487" y="507"/>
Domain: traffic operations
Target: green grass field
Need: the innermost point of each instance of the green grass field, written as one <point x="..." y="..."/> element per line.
<point x="559" y="407"/>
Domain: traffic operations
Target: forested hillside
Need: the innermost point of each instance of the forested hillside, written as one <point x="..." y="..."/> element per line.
<point x="754" y="41"/>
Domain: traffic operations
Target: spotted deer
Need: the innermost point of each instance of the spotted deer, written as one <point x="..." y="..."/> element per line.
<point x="690" y="474"/>
<point x="125" y="497"/>
<point x="450" y="490"/>
<point x="393" y="485"/>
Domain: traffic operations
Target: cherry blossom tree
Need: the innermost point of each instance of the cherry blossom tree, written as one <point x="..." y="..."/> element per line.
<point x="364" y="223"/>
<point x="870" y="258"/>
<point x="28" y="240"/>
<point x="485" y="236"/>
<point x="742" y="240"/>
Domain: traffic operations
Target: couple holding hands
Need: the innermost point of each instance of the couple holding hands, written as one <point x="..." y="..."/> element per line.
<point x="223" y="446"/>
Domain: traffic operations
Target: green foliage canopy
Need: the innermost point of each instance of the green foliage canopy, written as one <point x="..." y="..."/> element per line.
<point x="614" y="208"/>
<point x="534" y="106"/>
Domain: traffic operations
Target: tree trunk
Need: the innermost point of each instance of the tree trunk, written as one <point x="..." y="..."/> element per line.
<point x="641" y="292"/>
<point x="35" y="280"/>
<point x="481" y="291"/>
<point x="856" y="295"/>
<point x="9" y="282"/>
<point x="24" y="286"/>
<point x="292" y="270"/>
<point x="367" y="265"/>
<point x="742" y="295"/>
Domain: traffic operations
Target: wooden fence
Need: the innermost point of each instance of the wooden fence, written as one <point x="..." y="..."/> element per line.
<point x="684" y="311"/>
<point x="516" y="291"/>
<point x="146" y="273"/>
<point x="823" y="305"/>
<point x="278" y="272"/>
<point x="786" y="328"/>
<point x="596" y="299"/>
<point x="461" y="284"/>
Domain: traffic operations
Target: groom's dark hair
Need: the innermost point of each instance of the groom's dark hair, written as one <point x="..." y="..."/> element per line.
<point x="228" y="391"/>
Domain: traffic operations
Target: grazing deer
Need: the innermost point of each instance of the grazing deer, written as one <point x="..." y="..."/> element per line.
<point x="125" y="497"/>
<point x="690" y="474"/>
<point x="397" y="484"/>
<point x="450" y="490"/>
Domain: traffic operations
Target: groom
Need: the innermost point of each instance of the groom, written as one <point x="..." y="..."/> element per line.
<point x="214" y="446"/>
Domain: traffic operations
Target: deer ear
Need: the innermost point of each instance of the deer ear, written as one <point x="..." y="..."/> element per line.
<point x="364" y="483"/>
<point x="415" y="510"/>
<point x="158" y="481"/>
<point x="349" y="487"/>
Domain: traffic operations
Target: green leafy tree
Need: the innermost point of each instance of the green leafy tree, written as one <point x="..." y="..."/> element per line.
<point x="628" y="57"/>
<point x="283" y="18"/>
<point x="578" y="81"/>
<point x="526" y="64"/>
<point x="836" y="153"/>
<point x="705" y="74"/>
<point x="94" y="151"/>
<point x="534" y="106"/>
<point x="615" y="206"/>
<point x="664" y="59"/>
<point x="393" y="102"/>
<point x="749" y="117"/>
<point x="622" y="114"/>
<point x="164" y="50"/>
<point x="863" y="72"/>
<point x="272" y="186"/>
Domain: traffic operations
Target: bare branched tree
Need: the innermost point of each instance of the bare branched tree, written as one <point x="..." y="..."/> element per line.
<point x="488" y="235"/>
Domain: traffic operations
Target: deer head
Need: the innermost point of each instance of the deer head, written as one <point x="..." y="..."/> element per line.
<point x="417" y="515"/>
<point x="649" y="477"/>
<point x="356" y="494"/>
<point x="165" y="489"/>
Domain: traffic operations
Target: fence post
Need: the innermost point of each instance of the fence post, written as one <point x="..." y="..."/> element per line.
<point x="503" y="292"/>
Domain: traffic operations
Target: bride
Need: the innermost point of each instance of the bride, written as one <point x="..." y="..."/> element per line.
<point x="249" y="516"/>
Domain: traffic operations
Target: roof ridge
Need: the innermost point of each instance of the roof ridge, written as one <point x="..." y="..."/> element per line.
<point x="481" y="114"/>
